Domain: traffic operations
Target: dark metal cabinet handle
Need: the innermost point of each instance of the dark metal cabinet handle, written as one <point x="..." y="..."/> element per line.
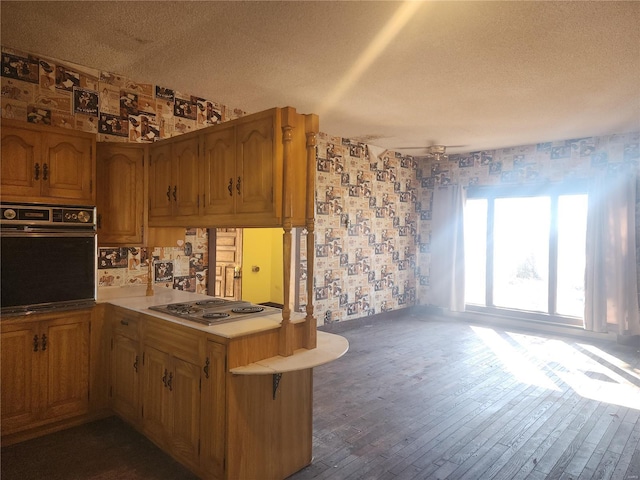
<point x="135" y="364"/>
<point x="230" y="187"/>
<point x="45" y="171"/>
<point x="124" y="322"/>
<point x="35" y="343"/>
<point x="169" y="193"/>
<point x="37" y="171"/>
<point x="44" y="342"/>
<point x="238" y="186"/>
<point x="164" y="377"/>
<point x="206" y="368"/>
<point x="175" y="189"/>
<point x="170" y="382"/>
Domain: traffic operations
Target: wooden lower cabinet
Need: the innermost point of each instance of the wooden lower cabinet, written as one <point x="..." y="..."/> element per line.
<point x="171" y="405"/>
<point x="213" y="412"/>
<point x="44" y="370"/>
<point x="125" y="364"/>
<point x="217" y="424"/>
<point x="124" y="390"/>
<point x="173" y="359"/>
<point x="268" y="438"/>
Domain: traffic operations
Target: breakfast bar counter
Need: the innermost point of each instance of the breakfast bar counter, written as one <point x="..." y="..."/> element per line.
<point x="221" y="399"/>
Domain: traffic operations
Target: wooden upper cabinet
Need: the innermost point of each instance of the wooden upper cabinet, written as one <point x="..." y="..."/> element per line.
<point x="121" y="194"/>
<point x="70" y="163"/>
<point x="255" y="169"/>
<point x="160" y="181"/>
<point x="238" y="172"/>
<point x="21" y="162"/>
<point x="218" y="172"/>
<point x="232" y="174"/>
<point x="186" y="176"/>
<point x="46" y="164"/>
<point x="174" y="179"/>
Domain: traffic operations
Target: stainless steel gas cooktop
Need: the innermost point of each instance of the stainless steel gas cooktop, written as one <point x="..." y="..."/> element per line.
<point x="214" y="311"/>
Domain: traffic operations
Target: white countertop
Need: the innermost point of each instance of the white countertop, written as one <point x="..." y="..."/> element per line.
<point x="162" y="296"/>
<point x="329" y="347"/>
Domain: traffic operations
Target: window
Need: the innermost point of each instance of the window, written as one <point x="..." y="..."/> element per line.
<point x="525" y="251"/>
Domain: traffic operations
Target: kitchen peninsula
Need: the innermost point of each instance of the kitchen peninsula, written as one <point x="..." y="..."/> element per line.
<point x="219" y="398"/>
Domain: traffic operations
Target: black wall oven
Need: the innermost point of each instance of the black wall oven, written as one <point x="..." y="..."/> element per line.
<point x="48" y="256"/>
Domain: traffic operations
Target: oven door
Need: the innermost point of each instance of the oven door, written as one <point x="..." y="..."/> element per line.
<point x="47" y="268"/>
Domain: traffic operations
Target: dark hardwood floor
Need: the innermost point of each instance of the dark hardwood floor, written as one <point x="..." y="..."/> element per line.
<point x="420" y="397"/>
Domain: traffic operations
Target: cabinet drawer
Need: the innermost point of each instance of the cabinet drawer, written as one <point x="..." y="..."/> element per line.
<point x="126" y="324"/>
<point x="181" y="342"/>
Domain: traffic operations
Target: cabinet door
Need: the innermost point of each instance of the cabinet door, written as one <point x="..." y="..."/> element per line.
<point x="160" y="182"/>
<point x="68" y="169"/>
<point x="65" y="373"/>
<point x="125" y="385"/>
<point x="213" y="411"/>
<point x="185" y="396"/>
<point x="254" y="166"/>
<point x="120" y="194"/>
<point x="218" y="172"/>
<point x="185" y="187"/>
<point x="157" y="412"/>
<point x="21" y="165"/>
<point x="18" y="376"/>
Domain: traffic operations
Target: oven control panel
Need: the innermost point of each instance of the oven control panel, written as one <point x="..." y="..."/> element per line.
<point x="46" y="215"/>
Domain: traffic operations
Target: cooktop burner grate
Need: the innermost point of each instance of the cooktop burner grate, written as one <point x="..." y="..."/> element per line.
<point x="211" y="303"/>
<point x="177" y="306"/>
<point x="215" y="315"/>
<point x="250" y="309"/>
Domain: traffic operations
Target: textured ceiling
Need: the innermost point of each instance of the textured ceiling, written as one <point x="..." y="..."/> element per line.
<point x="480" y="74"/>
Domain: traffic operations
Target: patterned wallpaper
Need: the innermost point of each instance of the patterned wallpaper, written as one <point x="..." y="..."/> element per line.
<point x="118" y="109"/>
<point x="373" y="212"/>
<point x="580" y="158"/>
<point x="366" y="231"/>
<point x="182" y="268"/>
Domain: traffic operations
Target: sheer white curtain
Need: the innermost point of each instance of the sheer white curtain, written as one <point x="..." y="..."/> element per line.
<point x="447" y="248"/>
<point x="611" y="293"/>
